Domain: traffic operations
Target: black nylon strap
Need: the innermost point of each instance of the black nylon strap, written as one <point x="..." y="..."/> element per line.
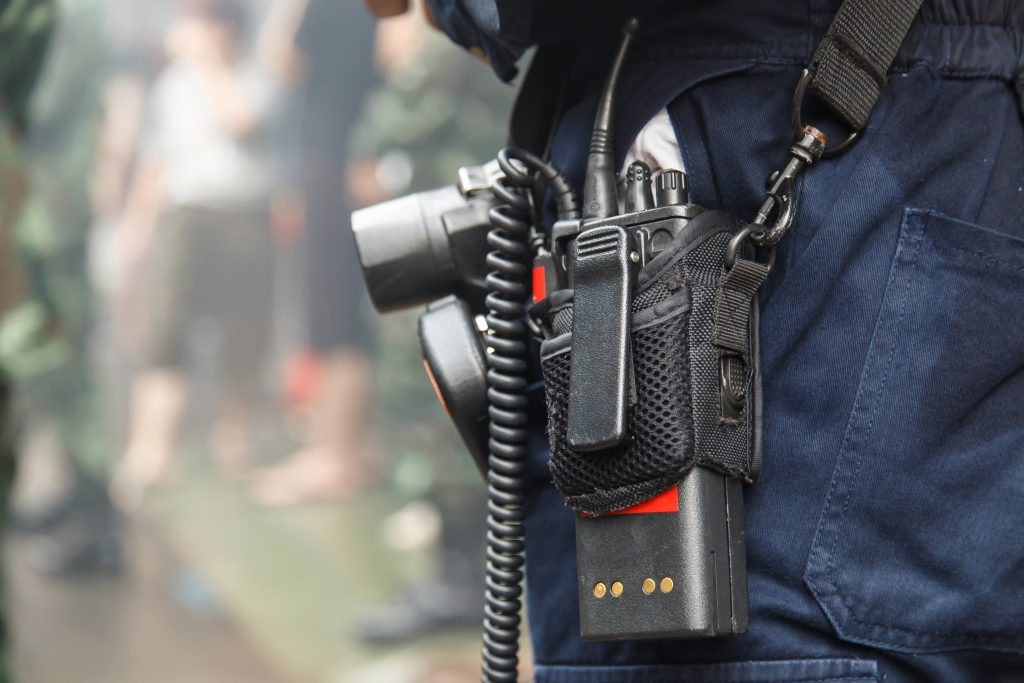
<point x="736" y="290"/>
<point x="849" y="67"/>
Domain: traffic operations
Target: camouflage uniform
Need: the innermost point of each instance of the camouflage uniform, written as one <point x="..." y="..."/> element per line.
<point x="51" y="365"/>
<point x="44" y="342"/>
<point x="25" y="29"/>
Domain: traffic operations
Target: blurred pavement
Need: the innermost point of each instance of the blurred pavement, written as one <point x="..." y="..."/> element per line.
<point x="122" y="629"/>
<point x="217" y="589"/>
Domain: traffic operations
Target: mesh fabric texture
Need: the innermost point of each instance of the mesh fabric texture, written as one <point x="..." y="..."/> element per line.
<point x="660" y="426"/>
<point x="675" y="423"/>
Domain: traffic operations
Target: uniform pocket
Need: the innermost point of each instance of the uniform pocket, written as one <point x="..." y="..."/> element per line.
<point x="920" y="545"/>
<point x="780" y="671"/>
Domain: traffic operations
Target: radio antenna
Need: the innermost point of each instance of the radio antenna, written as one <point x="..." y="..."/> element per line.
<point x="600" y="198"/>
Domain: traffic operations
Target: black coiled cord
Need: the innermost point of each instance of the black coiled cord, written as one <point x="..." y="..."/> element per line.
<point x="508" y="280"/>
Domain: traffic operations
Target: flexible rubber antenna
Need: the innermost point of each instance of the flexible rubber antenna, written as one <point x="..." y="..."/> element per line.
<point x="600" y="199"/>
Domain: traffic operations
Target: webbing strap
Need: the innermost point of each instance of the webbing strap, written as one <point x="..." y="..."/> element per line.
<point x="736" y="290"/>
<point x="849" y="67"/>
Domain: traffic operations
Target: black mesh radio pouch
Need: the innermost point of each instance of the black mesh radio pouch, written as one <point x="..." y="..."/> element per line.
<point x="695" y="389"/>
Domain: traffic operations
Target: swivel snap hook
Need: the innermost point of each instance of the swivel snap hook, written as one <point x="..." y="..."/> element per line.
<point x="781" y="199"/>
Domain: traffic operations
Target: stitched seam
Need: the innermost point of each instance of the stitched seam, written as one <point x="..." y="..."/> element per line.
<point x="941" y="70"/>
<point x="988" y="259"/>
<point x="852" y="475"/>
<point x="890" y="354"/>
<point x="922" y="643"/>
<point x="824" y="545"/>
<point x="851" y="53"/>
<point x="935" y="637"/>
<point x="1015" y="265"/>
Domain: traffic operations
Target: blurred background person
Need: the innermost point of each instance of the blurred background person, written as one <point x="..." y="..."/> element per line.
<point x="292" y="577"/>
<point x="66" y="426"/>
<point x="25" y="30"/>
<point x="200" y="200"/>
<point x="331" y="52"/>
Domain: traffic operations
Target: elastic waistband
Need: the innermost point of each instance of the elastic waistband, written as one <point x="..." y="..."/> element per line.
<point x="956" y="38"/>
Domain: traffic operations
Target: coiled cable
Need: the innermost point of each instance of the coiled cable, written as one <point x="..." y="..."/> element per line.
<point x="508" y="280"/>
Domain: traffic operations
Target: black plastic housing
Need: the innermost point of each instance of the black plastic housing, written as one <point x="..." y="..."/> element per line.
<point x="700" y="547"/>
<point x="604" y="275"/>
<point x="424" y="246"/>
<point x="454" y="357"/>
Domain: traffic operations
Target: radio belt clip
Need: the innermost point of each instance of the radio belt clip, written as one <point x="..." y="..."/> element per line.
<point x="604" y="271"/>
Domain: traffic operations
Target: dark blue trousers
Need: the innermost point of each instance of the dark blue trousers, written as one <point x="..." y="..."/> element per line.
<point x="886" y="535"/>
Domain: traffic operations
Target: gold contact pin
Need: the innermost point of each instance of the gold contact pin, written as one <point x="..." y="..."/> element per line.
<point x="649" y="586"/>
<point x="667" y="585"/>
<point x="600" y="590"/>
<point x="617" y="589"/>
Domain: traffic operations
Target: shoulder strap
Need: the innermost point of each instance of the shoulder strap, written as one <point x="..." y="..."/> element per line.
<point x="849" y="67"/>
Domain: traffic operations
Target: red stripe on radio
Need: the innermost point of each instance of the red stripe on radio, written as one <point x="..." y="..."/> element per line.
<point x="539" y="284"/>
<point x="666" y="501"/>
